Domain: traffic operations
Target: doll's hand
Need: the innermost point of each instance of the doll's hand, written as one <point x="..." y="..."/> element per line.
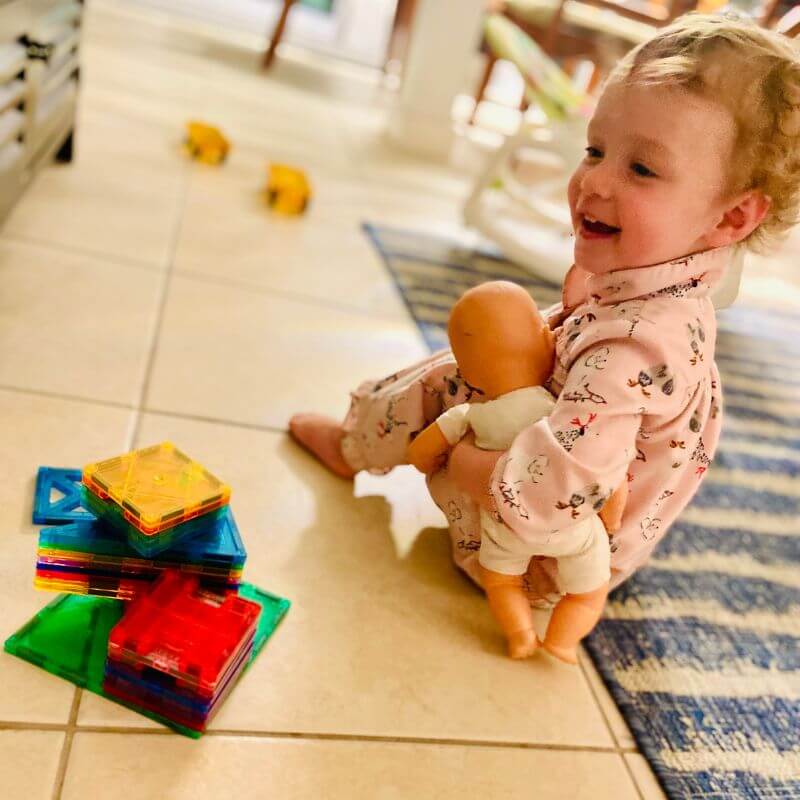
<point x="472" y="468"/>
<point x="429" y="450"/>
<point x="611" y="513"/>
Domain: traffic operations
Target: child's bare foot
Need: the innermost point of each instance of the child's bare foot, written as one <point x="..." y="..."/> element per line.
<point x="322" y="437"/>
<point x="522" y="644"/>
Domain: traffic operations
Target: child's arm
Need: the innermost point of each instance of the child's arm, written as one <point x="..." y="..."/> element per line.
<point x="565" y="467"/>
<point x="428" y="449"/>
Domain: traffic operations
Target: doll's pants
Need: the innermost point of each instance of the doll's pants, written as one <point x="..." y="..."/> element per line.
<point x="386" y="414"/>
<point x="581" y="551"/>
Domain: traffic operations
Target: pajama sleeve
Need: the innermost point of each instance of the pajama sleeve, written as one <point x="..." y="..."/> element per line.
<point x="562" y="469"/>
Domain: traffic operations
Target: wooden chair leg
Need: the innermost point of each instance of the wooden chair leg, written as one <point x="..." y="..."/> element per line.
<point x="275" y="39"/>
<point x="594" y="81"/>
<point x="491" y="60"/>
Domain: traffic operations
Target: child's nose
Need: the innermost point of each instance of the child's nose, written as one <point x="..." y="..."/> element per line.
<point x="598" y="180"/>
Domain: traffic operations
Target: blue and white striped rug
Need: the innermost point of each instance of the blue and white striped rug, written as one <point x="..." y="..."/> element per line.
<point x="701" y="649"/>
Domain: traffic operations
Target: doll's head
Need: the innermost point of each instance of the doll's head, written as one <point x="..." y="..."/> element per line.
<point x="499" y="339"/>
<point x="694" y="144"/>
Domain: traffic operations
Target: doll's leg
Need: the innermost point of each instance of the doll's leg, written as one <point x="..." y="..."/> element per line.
<point x="573" y="618"/>
<point x="503" y="561"/>
<point x="384" y="416"/>
<point x="510" y="607"/>
<point x="584" y="576"/>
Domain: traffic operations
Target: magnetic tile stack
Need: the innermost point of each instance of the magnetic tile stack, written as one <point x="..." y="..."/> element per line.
<point x="149" y="510"/>
<point x="153" y="528"/>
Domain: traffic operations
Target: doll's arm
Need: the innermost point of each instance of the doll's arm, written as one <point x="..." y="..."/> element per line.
<point x="427" y="451"/>
<point x="429" y="448"/>
<point x="611" y="512"/>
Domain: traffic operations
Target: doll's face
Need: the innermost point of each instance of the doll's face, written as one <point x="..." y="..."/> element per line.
<point x="499" y="339"/>
<point x="655" y="171"/>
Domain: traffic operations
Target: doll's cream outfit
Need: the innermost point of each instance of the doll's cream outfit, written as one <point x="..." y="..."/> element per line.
<point x="582" y="549"/>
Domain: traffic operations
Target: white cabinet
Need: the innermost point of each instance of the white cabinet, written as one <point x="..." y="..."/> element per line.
<point x="39" y="72"/>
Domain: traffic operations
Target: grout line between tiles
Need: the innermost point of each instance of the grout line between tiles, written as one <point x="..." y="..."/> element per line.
<point x="251" y="426"/>
<point x="163" y="731"/>
<point x="345" y="737"/>
<point x="73" y="398"/>
<point x="598" y="704"/>
<point x="97" y="255"/>
<point x="166" y="281"/>
<point x="12" y="725"/>
<point x="620" y="750"/>
<point x="298" y="297"/>
<point x="130" y="407"/>
<point x="66" y="747"/>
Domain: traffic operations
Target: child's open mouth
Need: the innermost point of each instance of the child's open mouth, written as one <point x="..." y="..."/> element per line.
<point x="594" y="229"/>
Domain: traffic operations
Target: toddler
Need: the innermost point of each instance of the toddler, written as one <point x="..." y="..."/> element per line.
<point x="693" y="150"/>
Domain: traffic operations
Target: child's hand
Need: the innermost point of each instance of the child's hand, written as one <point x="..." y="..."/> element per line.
<point x="472" y="468"/>
<point x="428" y="451"/>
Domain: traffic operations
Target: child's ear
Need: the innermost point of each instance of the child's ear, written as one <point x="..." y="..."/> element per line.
<point x="741" y="219"/>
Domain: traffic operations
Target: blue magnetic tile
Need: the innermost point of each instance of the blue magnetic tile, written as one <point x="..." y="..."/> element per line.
<point x="220" y="545"/>
<point x="67" y="508"/>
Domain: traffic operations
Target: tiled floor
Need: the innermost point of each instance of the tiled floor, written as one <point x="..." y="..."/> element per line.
<point x="147" y="298"/>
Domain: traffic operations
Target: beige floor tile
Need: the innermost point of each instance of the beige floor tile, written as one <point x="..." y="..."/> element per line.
<point x="372" y="645"/>
<point x="226" y="353"/>
<point x="39" y="431"/>
<point x="647" y="782"/>
<point x="119" y="197"/>
<point x="81" y="326"/>
<point x="28" y="763"/>
<point x="619" y="728"/>
<point x="172" y="768"/>
<point x="229" y="233"/>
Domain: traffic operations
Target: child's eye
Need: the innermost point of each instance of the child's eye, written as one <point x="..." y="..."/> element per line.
<point x="643" y="171"/>
<point x="593" y="152"/>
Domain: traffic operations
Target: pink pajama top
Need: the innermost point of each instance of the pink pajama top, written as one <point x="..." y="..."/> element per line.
<point x="638" y="400"/>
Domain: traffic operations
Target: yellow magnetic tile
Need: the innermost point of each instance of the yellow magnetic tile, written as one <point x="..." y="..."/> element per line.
<point x="157" y="487"/>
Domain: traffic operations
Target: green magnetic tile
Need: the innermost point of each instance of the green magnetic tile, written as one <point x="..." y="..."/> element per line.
<point x="273" y="610"/>
<point x="69" y="637"/>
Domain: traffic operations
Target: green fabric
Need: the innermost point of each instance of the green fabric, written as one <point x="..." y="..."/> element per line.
<point x="320" y="5"/>
<point x="536" y="12"/>
<point x="546" y="83"/>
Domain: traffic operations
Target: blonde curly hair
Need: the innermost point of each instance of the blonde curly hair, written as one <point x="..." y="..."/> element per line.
<point x="755" y="74"/>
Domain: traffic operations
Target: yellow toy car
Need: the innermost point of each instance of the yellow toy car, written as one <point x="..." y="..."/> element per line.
<point x="206" y="143"/>
<point x="288" y="190"/>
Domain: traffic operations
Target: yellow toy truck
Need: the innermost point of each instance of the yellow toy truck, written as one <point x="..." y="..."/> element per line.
<point x="206" y="143"/>
<point x="288" y="190"/>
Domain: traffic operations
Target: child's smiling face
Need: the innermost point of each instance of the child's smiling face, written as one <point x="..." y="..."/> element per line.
<point x="655" y="171"/>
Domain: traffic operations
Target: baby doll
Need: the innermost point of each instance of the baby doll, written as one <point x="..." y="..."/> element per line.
<point x="504" y="350"/>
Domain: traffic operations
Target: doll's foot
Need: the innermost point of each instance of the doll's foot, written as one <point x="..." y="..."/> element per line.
<point x="568" y="655"/>
<point x="322" y="437"/>
<point x="522" y="644"/>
